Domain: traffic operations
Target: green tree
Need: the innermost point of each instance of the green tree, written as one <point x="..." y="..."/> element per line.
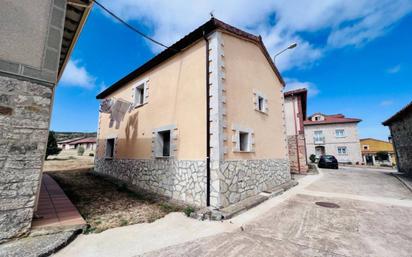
<point x="312" y="158"/>
<point x="80" y="150"/>
<point x="52" y="148"/>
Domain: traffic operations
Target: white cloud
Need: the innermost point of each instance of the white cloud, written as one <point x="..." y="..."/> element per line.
<point x="385" y="103"/>
<point x="394" y="69"/>
<point x="76" y="75"/>
<point x="292" y="84"/>
<point x="346" y="23"/>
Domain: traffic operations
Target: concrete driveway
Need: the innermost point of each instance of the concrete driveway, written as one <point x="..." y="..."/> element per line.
<point x="374" y="218"/>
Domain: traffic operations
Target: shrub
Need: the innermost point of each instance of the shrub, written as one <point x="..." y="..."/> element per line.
<point x="312" y="158"/>
<point x="80" y="150"/>
<point x="188" y="210"/>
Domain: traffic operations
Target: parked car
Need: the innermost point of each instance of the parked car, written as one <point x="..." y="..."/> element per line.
<point x="328" y="161"/>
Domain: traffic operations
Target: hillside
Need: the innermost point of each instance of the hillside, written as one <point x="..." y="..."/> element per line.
<point x="69" y="135"/>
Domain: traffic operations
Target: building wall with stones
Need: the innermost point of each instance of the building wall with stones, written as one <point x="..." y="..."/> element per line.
<point x="297" y="153"/>
<point x="401" y="131"/>
<point x="24" y="122"/>
<point x="182" y="180"/>
<point x="30" y="43"/>
<point x="235" y="175"/>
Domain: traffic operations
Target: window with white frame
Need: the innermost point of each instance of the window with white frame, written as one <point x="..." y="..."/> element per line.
<point x="140" y="93"/>
<point x="110" y="144"/>
<point x="342" y="150"/>
<point x="243" y="139"/>
<point x="340" y="133"/>
<point x="260" y="102"/>
<point x="163" y="143"/>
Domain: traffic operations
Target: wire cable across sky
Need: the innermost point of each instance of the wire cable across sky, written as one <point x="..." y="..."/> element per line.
<point x="130" y="26"/>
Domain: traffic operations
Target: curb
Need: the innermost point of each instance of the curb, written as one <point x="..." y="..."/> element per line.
<point x="403" y="181"/>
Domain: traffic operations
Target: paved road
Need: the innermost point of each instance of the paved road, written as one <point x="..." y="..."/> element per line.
<point x="374" y="219"/>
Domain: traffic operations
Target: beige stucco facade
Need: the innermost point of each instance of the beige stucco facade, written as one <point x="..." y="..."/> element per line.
<point x="176" y="96"/>
<point x="240" y="76"/>
<point x="247" y="71"/>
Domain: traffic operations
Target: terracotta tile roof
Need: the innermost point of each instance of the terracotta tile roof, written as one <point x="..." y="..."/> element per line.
<point x="83" y="141"/>
<point x="330" y="119"/>
<point x="205" y="29"/>
<point x="399" y="115"/>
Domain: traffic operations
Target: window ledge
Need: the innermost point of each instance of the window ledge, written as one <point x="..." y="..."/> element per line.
<point x="262" y="112"/>
<point x="238" y="151"/>
<point x="164" y="157"/>
<point x="139" y="105"/>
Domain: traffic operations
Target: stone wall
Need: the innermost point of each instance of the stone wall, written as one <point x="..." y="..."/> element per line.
<point x="293" y="154"/>
<point x="181" y="180"/>
<point x="401" y="131"/>
<point x="240" y="179"/>
<point x="24" y="123"/>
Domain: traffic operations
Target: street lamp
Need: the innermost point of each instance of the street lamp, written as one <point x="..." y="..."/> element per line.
<point x="293" y="45"/>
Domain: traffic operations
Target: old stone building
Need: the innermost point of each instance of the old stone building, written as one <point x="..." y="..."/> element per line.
<point x="400" y="126"/>
<point x="36" y="39"/>
<point x="295" y="114"/>
<point x="202" y="122"/>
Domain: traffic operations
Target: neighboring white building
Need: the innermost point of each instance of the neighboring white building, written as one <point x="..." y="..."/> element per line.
<point x="333" y="135"/>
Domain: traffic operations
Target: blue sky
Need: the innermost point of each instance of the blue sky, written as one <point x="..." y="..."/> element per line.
<point x="354" y="58"/>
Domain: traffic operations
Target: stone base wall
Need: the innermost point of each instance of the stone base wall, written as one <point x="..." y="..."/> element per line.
<point x="24" y="124"/>
<point x="182" y="180"/>
<point x="296" y="152"/>
<point x="240" y="179"/>
<point x="401" y="131"/>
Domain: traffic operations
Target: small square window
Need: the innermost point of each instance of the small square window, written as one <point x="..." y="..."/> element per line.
<point x="110" y="148"/>
<point x="163" y="143"/>
<point x="244" y="141"/>
<point x="365" y="147"/>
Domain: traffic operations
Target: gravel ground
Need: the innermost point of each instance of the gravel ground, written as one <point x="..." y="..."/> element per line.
<point x="105" y="205"/>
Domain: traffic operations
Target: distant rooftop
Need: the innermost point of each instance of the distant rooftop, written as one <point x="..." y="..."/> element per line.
<point x="329" y="119"/>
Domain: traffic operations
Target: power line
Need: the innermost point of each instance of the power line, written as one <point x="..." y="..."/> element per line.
<point x="130" y="26"/>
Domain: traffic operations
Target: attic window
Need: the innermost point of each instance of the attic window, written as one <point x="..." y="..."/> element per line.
<point x="366" y="147"/>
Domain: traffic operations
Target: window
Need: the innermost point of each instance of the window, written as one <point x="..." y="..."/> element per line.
<point x="163" y="141"/>
<point x="244" y="141"/>
<point x="366" y="147"/>
<point x="340" y="133"/>
<point x="342" y="150"/>
<point x="140" y="93"/>
<point x="260" y="102"/>
<point x="110" y="148"/>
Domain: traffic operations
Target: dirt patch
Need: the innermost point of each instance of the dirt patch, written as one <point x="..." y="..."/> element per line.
<point x="105" y="205"/>
<point x="70" y="162"/>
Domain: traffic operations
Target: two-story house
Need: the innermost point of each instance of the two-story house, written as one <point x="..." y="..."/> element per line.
<point x="295" y="114"/>
<point x="333" y="135"/>
<point x="202" y="122"/>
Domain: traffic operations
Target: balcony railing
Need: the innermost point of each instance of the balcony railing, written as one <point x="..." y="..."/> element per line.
<point x="319" y="140"/>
